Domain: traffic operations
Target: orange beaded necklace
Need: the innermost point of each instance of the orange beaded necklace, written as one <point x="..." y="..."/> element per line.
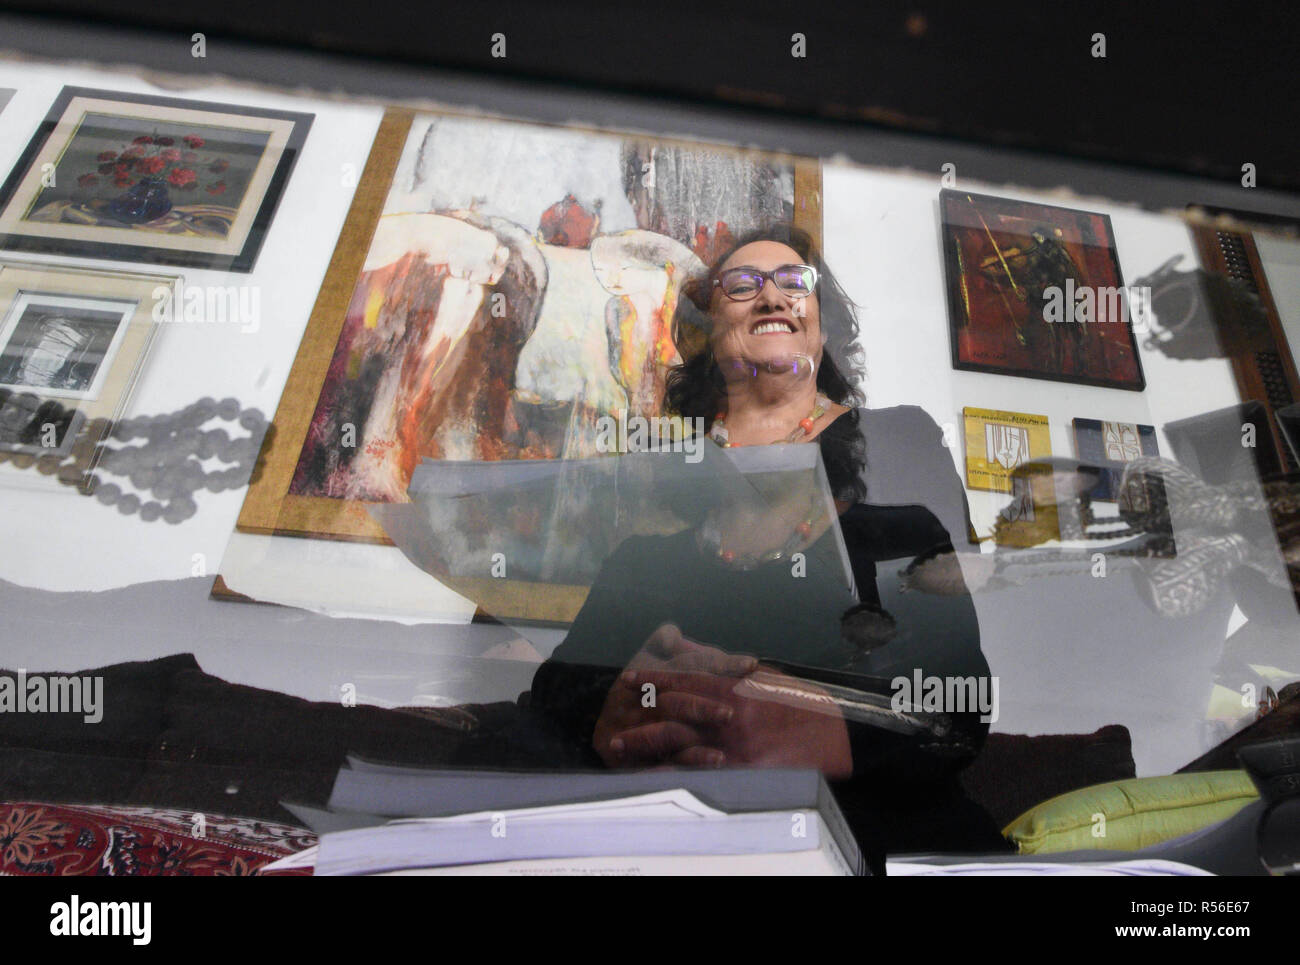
<point x="718" y="431"/>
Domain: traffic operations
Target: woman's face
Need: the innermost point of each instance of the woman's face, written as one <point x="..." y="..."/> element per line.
<point x="771" y="328"/>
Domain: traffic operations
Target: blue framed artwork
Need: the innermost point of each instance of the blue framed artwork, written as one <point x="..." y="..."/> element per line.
<point x="1109" y="446"/>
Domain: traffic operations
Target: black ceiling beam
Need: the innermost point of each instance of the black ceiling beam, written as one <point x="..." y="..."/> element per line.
<point x="1201" y="89"/>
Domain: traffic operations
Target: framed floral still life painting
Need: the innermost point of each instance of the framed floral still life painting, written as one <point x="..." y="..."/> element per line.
<point x="148" y="179"/>
<point x="1035" y="290"/>
<point x="72" y="345"/>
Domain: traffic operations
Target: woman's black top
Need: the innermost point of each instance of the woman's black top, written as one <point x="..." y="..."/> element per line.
<point x="903" y="794"/>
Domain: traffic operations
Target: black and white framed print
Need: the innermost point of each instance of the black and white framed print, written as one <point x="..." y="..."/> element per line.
<point x="72" y="345"/>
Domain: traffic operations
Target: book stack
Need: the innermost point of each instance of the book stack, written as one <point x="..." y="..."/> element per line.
<point x="383" y="819"/>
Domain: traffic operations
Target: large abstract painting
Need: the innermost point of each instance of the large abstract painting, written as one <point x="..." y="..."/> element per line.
<point x="499" y="288"/>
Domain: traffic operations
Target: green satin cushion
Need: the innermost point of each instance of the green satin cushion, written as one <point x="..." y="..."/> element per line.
<point x="1131" y="814"/>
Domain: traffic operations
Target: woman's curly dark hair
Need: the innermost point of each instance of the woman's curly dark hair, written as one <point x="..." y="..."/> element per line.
<point x="696" y="389"/>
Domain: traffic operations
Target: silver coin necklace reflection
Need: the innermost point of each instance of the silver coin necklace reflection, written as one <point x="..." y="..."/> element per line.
<point x="167" y="464"/>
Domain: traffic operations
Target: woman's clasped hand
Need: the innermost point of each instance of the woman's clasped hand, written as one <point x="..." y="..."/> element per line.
<point x="682" y="703"/>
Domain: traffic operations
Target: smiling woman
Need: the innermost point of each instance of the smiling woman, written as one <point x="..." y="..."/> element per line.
<point x="756" y="637"/>
<point x="761" y="336"/>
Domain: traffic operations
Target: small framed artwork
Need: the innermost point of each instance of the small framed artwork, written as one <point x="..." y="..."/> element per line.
<point x="159" y="180"/>
<point x="1035" y="290"/>
<point x="72" y="343"/>
<point x="1108" y="446"/>
<point x="998" y="442"/>
<point x="1005" y="453"/>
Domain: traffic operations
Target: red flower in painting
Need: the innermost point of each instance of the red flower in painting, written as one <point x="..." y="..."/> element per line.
<point x="174" y="159"/>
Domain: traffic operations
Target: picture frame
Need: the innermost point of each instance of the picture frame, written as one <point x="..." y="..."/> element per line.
<point x="572" y="249"/>
<point x="1110" y="445"/>
<point x="1035" y="290"/>
<point x="1009" y="453"/>
<point x="998" y="442"/>
<point x="154" y="180"/>
<point x="73" y="342"/>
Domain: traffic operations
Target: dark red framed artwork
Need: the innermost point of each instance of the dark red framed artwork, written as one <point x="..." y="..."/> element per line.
<point x="1035" y="290"/>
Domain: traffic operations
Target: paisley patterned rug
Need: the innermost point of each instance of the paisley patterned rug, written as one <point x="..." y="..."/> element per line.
<point x="56" y="839"/>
